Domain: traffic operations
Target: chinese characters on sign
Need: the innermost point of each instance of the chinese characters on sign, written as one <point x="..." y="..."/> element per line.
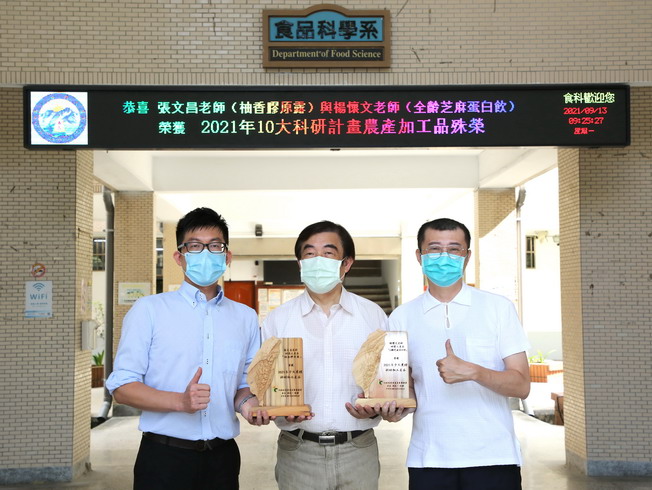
<point x="584" y="118"/>
<point x="331" y="117"/>
<point x="326" y="28"/>
<point x="326" y="36"/>
<point x="392" y="376"/>
<point x="130" y="292"/>
<point x="354" y="117"/>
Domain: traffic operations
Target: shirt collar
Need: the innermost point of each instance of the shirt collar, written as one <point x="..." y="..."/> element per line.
<point x="346" y="302"/>
<point x="462" y="298"/>
<point x="194" y="296"/>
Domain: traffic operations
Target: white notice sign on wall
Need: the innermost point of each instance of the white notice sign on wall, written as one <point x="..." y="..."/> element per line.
<point x="38" y="299"/>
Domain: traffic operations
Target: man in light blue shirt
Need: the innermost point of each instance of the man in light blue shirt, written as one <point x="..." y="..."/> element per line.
<point x="183" y="360"/>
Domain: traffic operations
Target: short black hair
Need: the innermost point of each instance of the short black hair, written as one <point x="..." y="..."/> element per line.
<point x="325" y="227"/>
<point x="443" y="224"/>
<point x="201" y="218"/>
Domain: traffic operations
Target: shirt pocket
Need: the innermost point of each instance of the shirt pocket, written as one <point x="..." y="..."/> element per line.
<point x="230" y="355"/>
<point x="229" y="360"/>
<point x="484" y="351"/>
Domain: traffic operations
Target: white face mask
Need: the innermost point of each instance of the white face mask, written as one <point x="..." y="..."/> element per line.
<point x="320" y="274"/>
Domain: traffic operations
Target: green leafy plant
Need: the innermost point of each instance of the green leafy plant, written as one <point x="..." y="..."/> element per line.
<point x="98" y="359"/>
<point x="539" y="357"/>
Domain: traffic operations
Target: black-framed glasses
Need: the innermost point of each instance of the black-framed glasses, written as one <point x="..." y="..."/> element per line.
<point x="198" y="247"/>
<point x="452" y="249"/>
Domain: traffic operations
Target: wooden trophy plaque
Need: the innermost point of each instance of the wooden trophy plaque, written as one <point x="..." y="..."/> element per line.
<point x="276" y="377"/>
<point x="381" y="370"/>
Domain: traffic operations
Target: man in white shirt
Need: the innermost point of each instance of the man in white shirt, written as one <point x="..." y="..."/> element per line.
<point x="467" y="356"/>
<point x="336" y="446"/>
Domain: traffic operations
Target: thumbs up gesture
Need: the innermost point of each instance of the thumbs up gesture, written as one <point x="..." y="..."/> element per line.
<point x="197" y="395"/>
<point x="452" y="369"/>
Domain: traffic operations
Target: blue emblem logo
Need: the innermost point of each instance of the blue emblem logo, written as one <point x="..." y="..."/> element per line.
<point x="59" y="118"/>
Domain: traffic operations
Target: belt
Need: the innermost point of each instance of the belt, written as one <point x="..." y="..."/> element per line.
<point x="200" y="445"/>
<point x="327" y="438"/>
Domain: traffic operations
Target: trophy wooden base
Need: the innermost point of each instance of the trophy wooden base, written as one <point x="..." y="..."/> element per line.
<point x="400" y="402"/>
<point x="297" y="411"/>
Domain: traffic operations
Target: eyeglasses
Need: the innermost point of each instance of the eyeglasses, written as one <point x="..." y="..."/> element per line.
<point x="198" y="247"/>
<point x="453" y="250"/>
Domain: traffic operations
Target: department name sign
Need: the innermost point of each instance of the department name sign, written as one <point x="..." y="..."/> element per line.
<point x="326" y="36"/>
<point x="154" y="117"/>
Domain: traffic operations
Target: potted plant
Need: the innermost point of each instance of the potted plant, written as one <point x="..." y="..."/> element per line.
<point x="541" y="367"/>
<point x="97" y="370"/>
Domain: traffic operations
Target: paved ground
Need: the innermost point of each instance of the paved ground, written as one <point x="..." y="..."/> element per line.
<point x="115" y="442"/>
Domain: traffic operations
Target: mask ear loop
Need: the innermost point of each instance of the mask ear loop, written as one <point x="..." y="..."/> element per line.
<point x="343" y="275"/>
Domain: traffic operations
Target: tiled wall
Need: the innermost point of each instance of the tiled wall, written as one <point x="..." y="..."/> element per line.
<point x="571" y="304"/>
<point x="172" y="273"/>
<point x="495" y="219"/>
<point x="606" y="260"/>
<point x="83" y="293"/>
<point x="616" y="243"/>
<point x="207" y="42"/>
<point x="135" y="245"/>
<point x="45" y="217"/>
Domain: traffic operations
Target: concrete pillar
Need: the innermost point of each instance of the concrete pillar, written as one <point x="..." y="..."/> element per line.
<point x="606" y="286"/>
<point x="46" y="218"/>
<point x="494" y="242"/>
<point x="135" y="248"/>
<point x="413" y="282"/>
<point x="172" y="273"/>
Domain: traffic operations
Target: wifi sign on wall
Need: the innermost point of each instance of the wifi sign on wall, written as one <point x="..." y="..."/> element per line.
<point x="38" y="299"/>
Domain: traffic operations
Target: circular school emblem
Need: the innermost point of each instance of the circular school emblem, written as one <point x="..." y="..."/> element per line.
<point x="59" y="118"/>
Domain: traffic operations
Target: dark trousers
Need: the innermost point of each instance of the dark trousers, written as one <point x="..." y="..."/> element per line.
<point x="161" y="467"/>
<point x="503" y="477"/>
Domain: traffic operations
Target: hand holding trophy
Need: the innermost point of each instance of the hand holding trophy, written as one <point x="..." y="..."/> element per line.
<point x="381" y="370"/>
<point x="276" y="377"/>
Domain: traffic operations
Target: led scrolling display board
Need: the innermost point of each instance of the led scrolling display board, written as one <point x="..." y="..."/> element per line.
<point x="153" y="117"/>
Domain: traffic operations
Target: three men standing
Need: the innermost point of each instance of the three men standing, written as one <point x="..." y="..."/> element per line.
<point x="183" y="359"/>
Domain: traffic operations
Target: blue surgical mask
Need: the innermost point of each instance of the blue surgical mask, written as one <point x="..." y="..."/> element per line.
<point x="205" y="268"/>
<point x="320" y="274"/>
<point x="443" y="269"/>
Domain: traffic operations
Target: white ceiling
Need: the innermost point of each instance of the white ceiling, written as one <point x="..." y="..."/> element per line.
<point x="371" y="192"/>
